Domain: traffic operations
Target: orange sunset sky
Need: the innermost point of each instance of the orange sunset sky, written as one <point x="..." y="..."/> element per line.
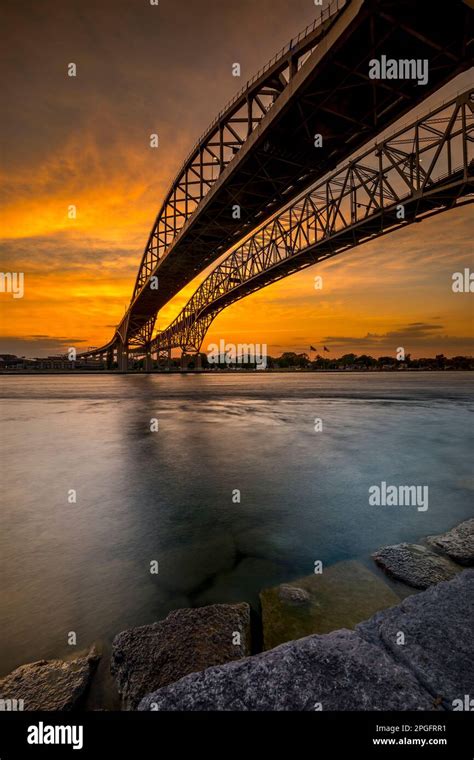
<point x="85" y="141"/>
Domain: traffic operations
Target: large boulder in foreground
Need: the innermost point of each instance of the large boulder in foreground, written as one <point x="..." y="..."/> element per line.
<point x="50" y="684"/>
<point x="188" y="640"/>
<point x="363" y="669"/>
<point x="415" y="565"/>
<point x="457" y="543"/>
<point x="438" y="635"/>
<point x="341" y="596"/>
<point x="336" y="671"/>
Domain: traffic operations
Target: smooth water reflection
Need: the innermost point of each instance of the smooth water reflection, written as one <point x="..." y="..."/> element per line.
<point x="167" y="495"/>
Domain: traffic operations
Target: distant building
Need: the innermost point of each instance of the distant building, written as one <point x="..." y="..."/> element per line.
<point x="54" y="363"/>
<point x="12" y="362"/>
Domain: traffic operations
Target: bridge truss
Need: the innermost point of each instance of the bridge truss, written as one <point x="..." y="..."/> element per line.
<point x="421" y="170"/>
<point x="225" y="137"/>
<point x="259" y="153"/>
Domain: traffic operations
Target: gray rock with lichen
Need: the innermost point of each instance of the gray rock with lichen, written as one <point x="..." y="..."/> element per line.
<point x="50" y="684"/>
<point x="415" y="565"/>
<point x="335" y="671"/>
<point x="188" y="640"/>
<point x="457" y="543"/>
<point x="365" y="669"/>
<point x="438" y="636"/>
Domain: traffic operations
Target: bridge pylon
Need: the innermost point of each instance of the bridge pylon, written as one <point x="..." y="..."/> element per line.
<point x="110" y="359"/>
<point x="148" y="362"/>
<point x="122" y="356"/>
<point x="163" y="357"/>
<point x="191" y="358"/>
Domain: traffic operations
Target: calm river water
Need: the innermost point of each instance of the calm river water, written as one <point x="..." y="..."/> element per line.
<point x="168" y="495"/>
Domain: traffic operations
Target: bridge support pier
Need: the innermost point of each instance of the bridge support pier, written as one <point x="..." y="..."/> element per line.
<point x="163" y="359"/>
<point x="148" y="363"/>
<point x="122" y="357"/>
<point x="110" y="359"/>
<point x="187" y="359"/>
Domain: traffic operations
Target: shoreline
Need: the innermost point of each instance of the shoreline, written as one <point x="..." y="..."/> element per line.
<point x="415" y="568"/>
<point x="100" y="372"/>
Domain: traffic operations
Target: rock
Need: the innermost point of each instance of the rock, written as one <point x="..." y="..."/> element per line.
<point x="336" y="671"/>
<point x="342" y="596"/>
<point x="50" y="684"/>
<point x="457" y="543"/>
<point x="146" y="658"/>
<point x="293" y="594"/>
<point x="439" y="636"/>
<point x="363" y="669"/>
<point x="415" y="565"/>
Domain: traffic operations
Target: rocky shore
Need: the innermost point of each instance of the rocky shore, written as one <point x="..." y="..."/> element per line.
<point x="438" y="559"/>
<point x="188" y="640"/>
<point x="364" y="669"/>
<point x="350" y="638"/>
<point x="50" y="684"/>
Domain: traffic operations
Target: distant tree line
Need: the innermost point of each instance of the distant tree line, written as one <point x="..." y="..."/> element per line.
<point x="302" y="361"/>
<point x="289" y="360"/>
<point x="292" y="360"/>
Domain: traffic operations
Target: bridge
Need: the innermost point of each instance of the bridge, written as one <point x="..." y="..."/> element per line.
<point x="422" y="170"/>
<point x="280" y="158"/>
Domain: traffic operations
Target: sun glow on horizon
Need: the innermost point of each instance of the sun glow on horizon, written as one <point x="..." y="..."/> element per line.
<point x="86" y="144"/>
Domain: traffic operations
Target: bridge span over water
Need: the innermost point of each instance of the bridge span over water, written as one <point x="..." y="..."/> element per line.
<point x="301" y="199"/>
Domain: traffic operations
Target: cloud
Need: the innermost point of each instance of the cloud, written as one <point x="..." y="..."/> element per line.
<point x="85" y="141"/>
<point x="37" y="345"/>
<point x="415" y="334"/>
<point x="68" y="251"/>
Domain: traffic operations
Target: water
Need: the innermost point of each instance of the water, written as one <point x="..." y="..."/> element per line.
<point x="167" y="496"/>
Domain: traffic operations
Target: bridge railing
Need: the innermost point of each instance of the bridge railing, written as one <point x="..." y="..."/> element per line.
<point x="220" y="143"/>
<point x="334" y="7"/>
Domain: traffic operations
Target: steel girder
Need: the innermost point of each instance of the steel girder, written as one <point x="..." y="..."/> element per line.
<point x="330" y="93"/>
<point x="225" y="137"/>
<point x="422" y="169"/>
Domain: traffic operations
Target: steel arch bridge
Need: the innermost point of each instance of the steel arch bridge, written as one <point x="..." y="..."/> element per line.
<point x="259" y="153"/>
<point x="421" y="170"/>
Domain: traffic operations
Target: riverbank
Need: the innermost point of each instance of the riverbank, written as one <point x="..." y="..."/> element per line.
<point x="345" y="624"/>
<point x="240" y="370"/>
